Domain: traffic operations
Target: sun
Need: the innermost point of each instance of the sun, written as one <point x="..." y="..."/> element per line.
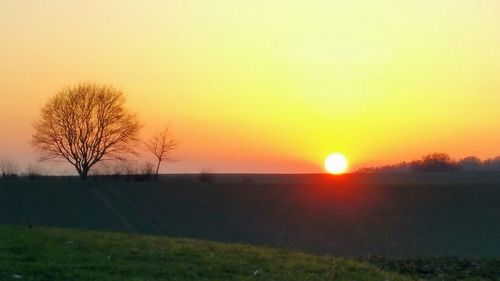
<point x="336" y="164"/>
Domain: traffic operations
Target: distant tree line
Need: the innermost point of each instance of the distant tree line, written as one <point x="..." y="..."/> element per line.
<point x="129" y="170"/>
<point x="10" y="170"/>
<point x="438" y="162"/>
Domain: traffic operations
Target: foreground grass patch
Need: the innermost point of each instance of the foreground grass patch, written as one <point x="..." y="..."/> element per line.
<point x="58" y="254"/>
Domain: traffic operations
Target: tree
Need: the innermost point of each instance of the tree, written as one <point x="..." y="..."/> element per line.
<point x="161" y="146"/>
<point x="434" y="162"/>
<point x="84" y="125"/>
<point x="470" y="163"/>
<point x="492" y="164"/>
<point x="8" y="168"/>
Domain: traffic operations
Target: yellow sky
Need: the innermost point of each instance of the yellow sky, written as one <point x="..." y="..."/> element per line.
<point x="266" y="86"/>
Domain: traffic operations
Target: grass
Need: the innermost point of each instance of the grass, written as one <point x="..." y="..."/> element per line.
<point x="441" y="222"/>
<point x="442" y="268"/>
<point x="353" y="216"/>
<point x="62" y="254"/>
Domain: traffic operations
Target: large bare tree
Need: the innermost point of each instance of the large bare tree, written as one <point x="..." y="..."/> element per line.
<point x="161" y="146"/>
<point x="84" y="125"/>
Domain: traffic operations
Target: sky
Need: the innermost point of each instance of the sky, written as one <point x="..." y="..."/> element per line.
<point x="265" y="86"/>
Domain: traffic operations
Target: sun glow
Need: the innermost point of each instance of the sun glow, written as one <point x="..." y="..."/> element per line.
<point x="321" y="76"/>
<point x="336" y="164"/>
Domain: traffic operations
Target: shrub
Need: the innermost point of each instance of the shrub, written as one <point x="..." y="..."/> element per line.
<point x="206" y="177"/>
<point x="34" y="172"/>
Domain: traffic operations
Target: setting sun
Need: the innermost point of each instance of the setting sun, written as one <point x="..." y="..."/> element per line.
<point x="353" y="129"/>
<point x="336" y="164"/>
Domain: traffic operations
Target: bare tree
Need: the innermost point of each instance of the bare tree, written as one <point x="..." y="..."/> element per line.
<point x="161" y="146"/>
<point x="84" y="125"/>
<point x="34" y="172"/>
<point x="8" y="168"/>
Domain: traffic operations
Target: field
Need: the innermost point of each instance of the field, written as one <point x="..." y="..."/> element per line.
<point x="433" y="226"/>
<point x="354" y="215"/>
<point x="54" y="254"/>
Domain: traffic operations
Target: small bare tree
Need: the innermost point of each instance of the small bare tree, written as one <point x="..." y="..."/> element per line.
<point x="85" y="125"/>
<point x="34" y="172"/>
<point x="8" y="168"/>
<point x="161" y="146"/>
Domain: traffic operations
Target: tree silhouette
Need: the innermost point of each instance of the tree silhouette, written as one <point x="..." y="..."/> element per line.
<point x="85" y="125"/>
<point x="161" y="145"/>
<point x="8" y="169"/>
<point x="492" y="164"/>
<point x="470" y="163"/>
<point x="434" y="162"/>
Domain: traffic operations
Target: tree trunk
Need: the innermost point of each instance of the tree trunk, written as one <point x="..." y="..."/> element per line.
<point x="84" y="174"/>
<point x="157" y="168"/>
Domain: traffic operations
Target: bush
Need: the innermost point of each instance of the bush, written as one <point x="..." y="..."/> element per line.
<point x="206" y="177"/>
<point x="146" y="173"/>
<point x="136" y="172"/>
<point x="34" y="172"/>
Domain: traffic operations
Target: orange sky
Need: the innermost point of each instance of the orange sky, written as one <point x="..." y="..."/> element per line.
<point x="266" y="86"/>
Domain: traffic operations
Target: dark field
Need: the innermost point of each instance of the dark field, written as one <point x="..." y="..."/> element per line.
<point x="448" y="214"/>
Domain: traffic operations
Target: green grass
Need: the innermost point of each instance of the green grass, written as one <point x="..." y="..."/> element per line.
<point x="61" y="254"/>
